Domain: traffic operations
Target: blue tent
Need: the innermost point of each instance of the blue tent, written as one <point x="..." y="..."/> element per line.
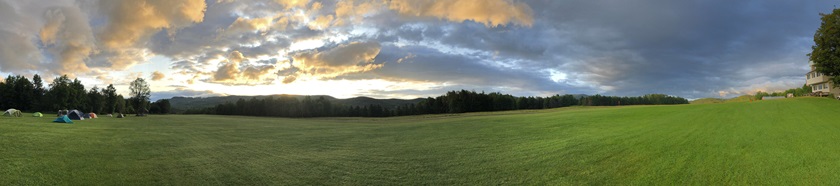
<point x="75" y="115"/>
<point x="63" y="119"/>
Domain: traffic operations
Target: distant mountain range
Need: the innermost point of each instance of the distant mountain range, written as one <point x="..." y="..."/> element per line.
<point x="180" y="104"/>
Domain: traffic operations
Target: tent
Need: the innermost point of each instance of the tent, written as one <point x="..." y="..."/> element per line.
<point x="86" y="116"/>
<point x="37" y="114"/>
<point x="120" y="116"/>
<point x="12" y="112"/>
<point x="92" y="115"/>
<point x="62" y="112"/>
<point x="75" y="115"/>
<point x="63" y="119"/>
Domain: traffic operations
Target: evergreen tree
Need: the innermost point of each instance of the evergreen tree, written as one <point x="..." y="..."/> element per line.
<point x="96" y="101"/>
<point x="110" y="94"/>
<point x="59" y="94"/>
<point x="38" y="93"/>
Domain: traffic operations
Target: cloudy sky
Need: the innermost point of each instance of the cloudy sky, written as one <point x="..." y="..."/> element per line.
<point x="415" y="48"/>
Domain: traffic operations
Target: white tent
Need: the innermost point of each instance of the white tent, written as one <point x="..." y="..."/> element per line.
<point x="12" y="112"/>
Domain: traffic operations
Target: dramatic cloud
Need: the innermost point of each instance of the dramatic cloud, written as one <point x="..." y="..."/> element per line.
<point x="425" y="64"/>
<point x="237" y="71"/>
<point x="68" y="37"/>
<point x="348" y="58"/>
<point x="351" y="11"/>
<point x="488" y="12"/>
<point x="17" y="52"/>
<point x="256" y="24"/>
<point x="133" y="21"/>
<point x="289" y="4"/>
<point x="525" y="47"/>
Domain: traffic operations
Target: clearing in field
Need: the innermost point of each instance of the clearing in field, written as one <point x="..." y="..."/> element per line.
<point x="790" y="141"/>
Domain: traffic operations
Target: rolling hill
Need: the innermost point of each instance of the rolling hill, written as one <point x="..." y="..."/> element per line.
<point x="743" y="98"/>
<point x="184" y="103"/>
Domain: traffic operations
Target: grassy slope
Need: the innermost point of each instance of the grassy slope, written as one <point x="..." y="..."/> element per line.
<point x="790" y="141"/>
<point x="743" y="98"/>
<point x="708" y="100"/>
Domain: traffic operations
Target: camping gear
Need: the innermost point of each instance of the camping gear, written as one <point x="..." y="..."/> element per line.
<point x="62" y="112"/>
<point x="92" y="115"/>
<point x="110" y="115"/>
<point x="37" y="114"/>
<point x="13" y="113"/>
<point x="86" y="116"/>
<point x="75" y="115"/>
<point x="63" y="119"/>
<point x="120" y="116"/>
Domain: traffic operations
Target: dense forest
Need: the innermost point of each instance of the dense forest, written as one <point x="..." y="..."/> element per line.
<point x="20" y="93"/>
<point x="181" y="104"/>
<point x="452" y="102"/>
<point x="63" y="93"/>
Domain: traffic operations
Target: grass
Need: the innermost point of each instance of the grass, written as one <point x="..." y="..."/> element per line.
<point x="708" y="100"/>
<point x="743" y="98"/>
<point x="779" y="142"/>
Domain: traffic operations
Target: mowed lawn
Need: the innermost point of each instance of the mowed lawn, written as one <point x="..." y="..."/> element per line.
<point x="780" y="142"/>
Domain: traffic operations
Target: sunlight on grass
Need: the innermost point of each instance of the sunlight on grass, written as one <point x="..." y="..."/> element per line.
<point x="790" y="141"/>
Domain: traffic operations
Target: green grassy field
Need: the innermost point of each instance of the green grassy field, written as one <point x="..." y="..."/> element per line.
<point x="743" y="98"/>
<point x="779" y="142"/>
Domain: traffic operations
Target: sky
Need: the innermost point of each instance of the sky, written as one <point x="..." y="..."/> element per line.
<point x="415" y="48"/>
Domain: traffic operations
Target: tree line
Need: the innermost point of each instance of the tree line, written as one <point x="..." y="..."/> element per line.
<point x="802" y="91"/>
<point x="63" y="93"/>
<point x="452" y="102"/>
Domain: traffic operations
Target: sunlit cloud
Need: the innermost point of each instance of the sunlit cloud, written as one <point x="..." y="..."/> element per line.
<point x="488" y="12"/>
<point x="157" y="75"/>
<point x="369" y="47"/>
<point x="132" y="21"/>
<point x="237" y="70"/>
<point x="343" y="59"/>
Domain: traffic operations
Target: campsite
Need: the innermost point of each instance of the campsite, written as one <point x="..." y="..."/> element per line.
<point x="419" y="92"/>
<point x="737" y="143"/>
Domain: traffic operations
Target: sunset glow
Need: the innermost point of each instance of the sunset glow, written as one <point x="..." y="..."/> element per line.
<point x="408" y="48"/>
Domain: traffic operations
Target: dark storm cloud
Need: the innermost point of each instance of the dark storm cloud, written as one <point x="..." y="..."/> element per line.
<point x="518" y="42"/>
<point x="686" y="48"/>
<point x="454" y="71"/>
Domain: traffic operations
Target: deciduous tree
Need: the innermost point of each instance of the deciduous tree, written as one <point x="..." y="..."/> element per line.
<point x="826" y="49"/>
<point x="140" y="94"/>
